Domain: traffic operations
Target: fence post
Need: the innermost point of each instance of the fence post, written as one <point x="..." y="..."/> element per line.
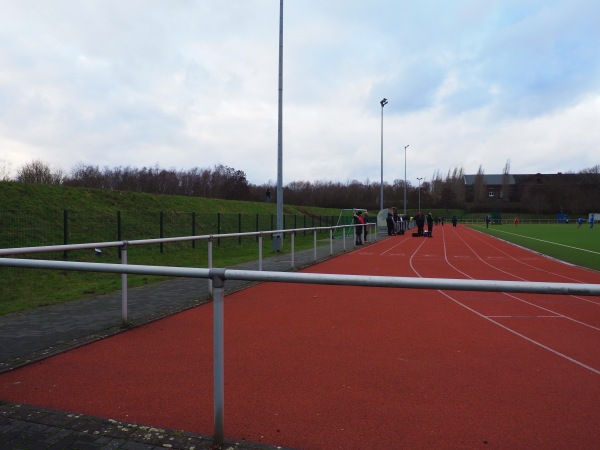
<point x="193" y="229"/>
<point x="218" y="278"/>
<point x="65" y="232"/>
<point x="119" y="232"/>
<point x="162" y="230"/>
<point x="210" y="263"/>
<point x="124" y="308"/>
<point x="331" y="242"/>
<point x="315" y="241"/>
<point x="257" y="225"/>
<point x="219" y="227"/>
<point x="293" y="240"/>
<point x="239" y="228"/>
<point x="260" y="251"/>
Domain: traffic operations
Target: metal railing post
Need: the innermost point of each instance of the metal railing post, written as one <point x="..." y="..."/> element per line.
<point x="344" y="233"/>
<point x="293" y="244"/>
<point x="218" y="278"/>
<point x="124" y="284"/>
<point x="315" y="242"/>
<point x="210" y="264"/>
<point x="260" y="252"/>
<point x="331" y="242"/>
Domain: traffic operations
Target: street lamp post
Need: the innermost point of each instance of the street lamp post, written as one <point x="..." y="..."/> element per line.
<point x="405" y="147"/>
<point x="419" y="192"/>
<point x="278" y="238"/>
<point x="382" y="103"/>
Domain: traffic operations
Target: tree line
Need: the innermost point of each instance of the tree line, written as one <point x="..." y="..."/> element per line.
<point x="444" y="191"/>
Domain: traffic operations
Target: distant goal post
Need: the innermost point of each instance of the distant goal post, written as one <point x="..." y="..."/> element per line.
<point x="346" y="217"/>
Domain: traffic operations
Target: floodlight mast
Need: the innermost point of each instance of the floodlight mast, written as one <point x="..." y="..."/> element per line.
<point x="382" y="103"/>
<point x="277" y="241"/>
<point x="419" y="192"/>
<point x="405" y="147"/>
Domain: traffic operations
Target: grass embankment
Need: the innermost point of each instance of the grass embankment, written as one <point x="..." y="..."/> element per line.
<point x="32" y="215"/>
<point x="567" y="242"/>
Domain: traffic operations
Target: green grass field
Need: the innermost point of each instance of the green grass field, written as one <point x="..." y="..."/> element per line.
<point x="32" y="215"/>
<point x="567" y="242"/>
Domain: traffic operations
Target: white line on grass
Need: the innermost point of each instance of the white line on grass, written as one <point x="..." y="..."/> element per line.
<point x="543" y="240"/>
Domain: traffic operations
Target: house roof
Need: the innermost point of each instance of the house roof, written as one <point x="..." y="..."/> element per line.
<point x="496" y="179"/>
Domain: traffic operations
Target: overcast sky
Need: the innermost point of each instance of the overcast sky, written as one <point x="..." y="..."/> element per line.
<point x="193" y="83"/>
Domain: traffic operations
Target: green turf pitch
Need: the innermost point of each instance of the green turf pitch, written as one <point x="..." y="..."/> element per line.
<point x="566" y="242"/>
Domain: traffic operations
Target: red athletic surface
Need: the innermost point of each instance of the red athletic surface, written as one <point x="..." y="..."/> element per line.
<point x="320" y="367"/>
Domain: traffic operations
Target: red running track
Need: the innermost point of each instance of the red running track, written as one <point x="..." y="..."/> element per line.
<point x="320" y="367"/>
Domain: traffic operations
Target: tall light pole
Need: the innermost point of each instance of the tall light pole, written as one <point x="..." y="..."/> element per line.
<point x="405" y="147"/>
<point x="419" y="192"/>
<point x="382" y="103"/>
<point x="277" y="239"/>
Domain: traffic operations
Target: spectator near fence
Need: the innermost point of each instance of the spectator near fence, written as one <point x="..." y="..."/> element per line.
<point x="366" y="227"/>
<point x="359" y="222"/>
<point x="390" y="224"/>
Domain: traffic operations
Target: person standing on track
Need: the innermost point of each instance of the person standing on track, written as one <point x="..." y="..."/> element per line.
<point x="430" y="224"/>
<point x="454" y="220"/>
<point x="420" y="223"/>
<point x="359" y="222"/>
<point x="390" y="224"/>
<point x="366" y="227"/>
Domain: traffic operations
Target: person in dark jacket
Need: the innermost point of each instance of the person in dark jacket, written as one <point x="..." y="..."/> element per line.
<point x="420" y="220"/>
<point x="359" y="222"/>
<point x="430" y="224"/>
<point x="390" y="224"/>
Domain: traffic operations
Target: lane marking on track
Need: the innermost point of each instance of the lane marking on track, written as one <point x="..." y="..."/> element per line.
<point x="524" y="317"/>
<point x="528" y="339"/>
<point x="523" y="279"/>
<point x="491" y="320"/>
<point x="532" y="267"/>
<point x="394" y="246"/>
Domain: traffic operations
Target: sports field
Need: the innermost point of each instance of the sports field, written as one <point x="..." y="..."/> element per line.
<point x="320" y="367"/>
<point x="567" y="242"/>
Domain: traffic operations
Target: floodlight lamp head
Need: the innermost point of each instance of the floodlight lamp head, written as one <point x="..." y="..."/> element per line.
<point x="383" y="102"/>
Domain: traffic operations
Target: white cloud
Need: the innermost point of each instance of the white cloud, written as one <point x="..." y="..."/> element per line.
<point x="185" y="84"/>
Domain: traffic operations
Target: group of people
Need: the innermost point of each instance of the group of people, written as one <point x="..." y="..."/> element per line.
<point x="420" y="220"/>
<point x="362" y="226"/>
<point x="396" y="223"/>
<point x="580" y="221"/>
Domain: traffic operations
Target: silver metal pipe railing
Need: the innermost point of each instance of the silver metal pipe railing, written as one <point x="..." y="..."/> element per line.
<point x="219" y="277"/>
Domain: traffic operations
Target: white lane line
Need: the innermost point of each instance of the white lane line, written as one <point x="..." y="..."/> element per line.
<point x="548" y="242"/>
<point x="520" y="261"/>
<point x="528" y="339"/>
<point x="523" y="279"/>
<point x="491" y="320"/>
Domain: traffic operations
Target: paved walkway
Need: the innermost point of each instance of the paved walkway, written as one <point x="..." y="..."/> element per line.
<point x="33" y="335"/>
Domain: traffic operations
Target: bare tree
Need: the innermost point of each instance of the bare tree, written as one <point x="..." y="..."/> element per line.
<point x="479" y="186"/>
<point x="37" y="172"/>
<point x="4" y="170"/>
<point x="506" y="181"/>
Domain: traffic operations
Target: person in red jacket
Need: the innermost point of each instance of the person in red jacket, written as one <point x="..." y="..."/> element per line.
<point x="359" y="221"/>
